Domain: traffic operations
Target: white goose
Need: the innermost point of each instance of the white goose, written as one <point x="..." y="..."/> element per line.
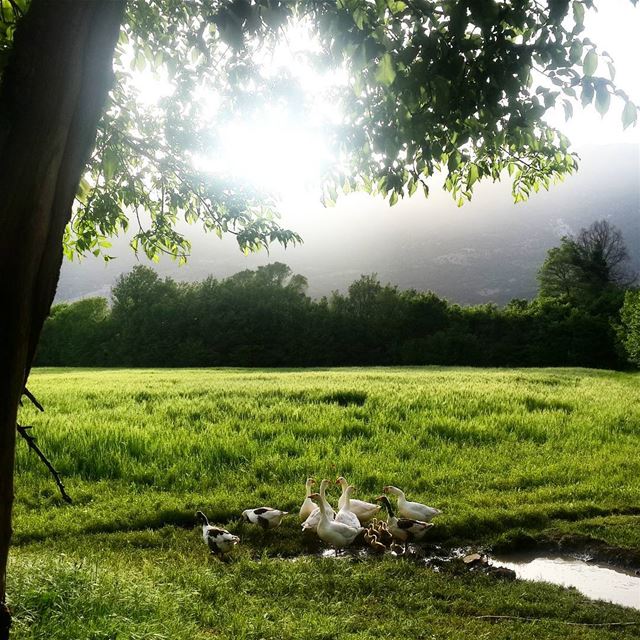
<point x="218" y="540"/>
<point x="365" y="511"/>
<point x="308" y="506"/>
<point x="337" y="534"/>
<point x="266" y="517"/>
<point x="345" y="514"/>
<point x="414" y="510"/>
<point x="404" y="529"/>
<point x="311" y="523"/>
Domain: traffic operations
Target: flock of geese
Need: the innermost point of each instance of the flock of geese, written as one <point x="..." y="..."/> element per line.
<point x="338" y="529"/>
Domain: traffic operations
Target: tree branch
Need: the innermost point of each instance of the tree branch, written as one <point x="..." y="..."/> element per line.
<point x="576" y="624"/>
<point x="31" y="397"/>
<point x="31" y="441"/>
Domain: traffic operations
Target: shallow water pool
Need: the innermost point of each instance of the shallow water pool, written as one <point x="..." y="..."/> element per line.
<point x="597" y="581"/>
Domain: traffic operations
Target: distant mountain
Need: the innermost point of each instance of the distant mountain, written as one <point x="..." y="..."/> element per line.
<point x="488" y="250"/>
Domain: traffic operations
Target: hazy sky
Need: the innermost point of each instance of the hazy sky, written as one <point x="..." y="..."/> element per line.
<point x="360" y="225"/>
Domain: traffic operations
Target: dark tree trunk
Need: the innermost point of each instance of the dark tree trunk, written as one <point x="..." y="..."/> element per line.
<point x="51" y="99"/>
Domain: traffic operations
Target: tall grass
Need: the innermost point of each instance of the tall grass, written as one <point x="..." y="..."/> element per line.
<point x="504" y="453"/>
<point x="494" y="449"/>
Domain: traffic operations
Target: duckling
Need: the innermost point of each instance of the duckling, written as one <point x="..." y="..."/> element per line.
<point x="266" y="517"/>
<point x="345" y="515"/>
<point x="372" y="539"/>
<point x="307" y="506"/>
<point x="219" y="540"/>
<point x="311" y="523"/>
<point x="337" y="534"/>
<point x="365" y="511"/>
<point x="384" y="535"/>
<point x="378" y="547"/>
<point x="404" y="529"/>
<point x="413" y="510"/>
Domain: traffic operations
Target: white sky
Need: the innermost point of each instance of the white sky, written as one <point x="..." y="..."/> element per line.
<point x="615" y="28"/>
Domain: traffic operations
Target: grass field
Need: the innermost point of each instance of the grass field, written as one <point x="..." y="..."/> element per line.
<point x="511" y="456"/>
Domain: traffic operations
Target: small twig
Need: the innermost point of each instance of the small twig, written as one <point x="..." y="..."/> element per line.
<point x="575" y="624"/>
<point x="31" y="397"/>
<point x="31" y="441"/>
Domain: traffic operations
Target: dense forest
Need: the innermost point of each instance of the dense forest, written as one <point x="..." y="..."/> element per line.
<point x="584" y="315"/>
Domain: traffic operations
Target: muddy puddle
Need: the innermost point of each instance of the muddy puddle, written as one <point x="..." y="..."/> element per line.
<point x="597" y="581"/>
<point x="594" y="580"/>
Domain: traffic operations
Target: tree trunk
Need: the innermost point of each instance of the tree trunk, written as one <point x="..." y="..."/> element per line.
<point x="51" y="99"/>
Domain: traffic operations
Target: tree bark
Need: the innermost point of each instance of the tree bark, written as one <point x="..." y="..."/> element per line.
<point x="52" y="95"/>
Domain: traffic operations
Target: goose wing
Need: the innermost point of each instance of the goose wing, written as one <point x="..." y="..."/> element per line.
<point x="415" y="528"/>
<point x="347" y="517"/>
<point x="418" y="511"/>
<point x="364" y="510"/>
<point x="219" y="539"/>
<point x="341" y="533"/>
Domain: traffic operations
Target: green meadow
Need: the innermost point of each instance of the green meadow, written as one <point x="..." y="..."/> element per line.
<point x="513" y="457"/>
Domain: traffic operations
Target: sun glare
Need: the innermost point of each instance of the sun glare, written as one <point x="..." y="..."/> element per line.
<point x="286" y="152"/>
<point x="279" y="150"/>
<point x="273" y="153"/>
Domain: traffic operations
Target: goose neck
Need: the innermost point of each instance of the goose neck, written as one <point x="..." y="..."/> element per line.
<point x="389" y="508"/>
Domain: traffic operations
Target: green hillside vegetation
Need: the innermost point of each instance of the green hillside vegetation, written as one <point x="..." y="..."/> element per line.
<point x="265" y="318"/>
<point x="512" y="457"/>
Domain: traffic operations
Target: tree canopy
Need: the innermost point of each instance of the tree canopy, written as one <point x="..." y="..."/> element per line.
<point x="630" y="327"/>
<point x="433" y="85"/>
<point x="265" y="318"/>
<point x="588" y="265"/>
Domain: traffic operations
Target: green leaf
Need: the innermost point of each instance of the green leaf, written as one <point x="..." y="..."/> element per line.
<point x="587" y="94"/>
<point x="396" y="6"/>
<point x="474" y="174"/>
<point x="603" y="99"/>
<point x="590" y="63"/>
<point x="359" y="17"/>
<point x="441" y="87"/>
<point x="629" y="114"/>
<point x="393" y="199"/>
<point x="568" y="109"/>
<point x="139" y="61"/>
<point x="578" y="13"/>
<point x="386" y="73"/>
<point x="109" y="163"/>
<point x="575" y="52"/>
<point x="454" y="161"/>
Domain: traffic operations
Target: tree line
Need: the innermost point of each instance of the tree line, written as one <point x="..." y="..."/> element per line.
<point x="585" y="315"/>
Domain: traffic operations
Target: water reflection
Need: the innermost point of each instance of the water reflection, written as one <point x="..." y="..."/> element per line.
<point x="597" y="581"/>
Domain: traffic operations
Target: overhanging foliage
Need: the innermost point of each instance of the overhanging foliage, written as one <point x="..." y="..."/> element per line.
<point x="454" y="86"/>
